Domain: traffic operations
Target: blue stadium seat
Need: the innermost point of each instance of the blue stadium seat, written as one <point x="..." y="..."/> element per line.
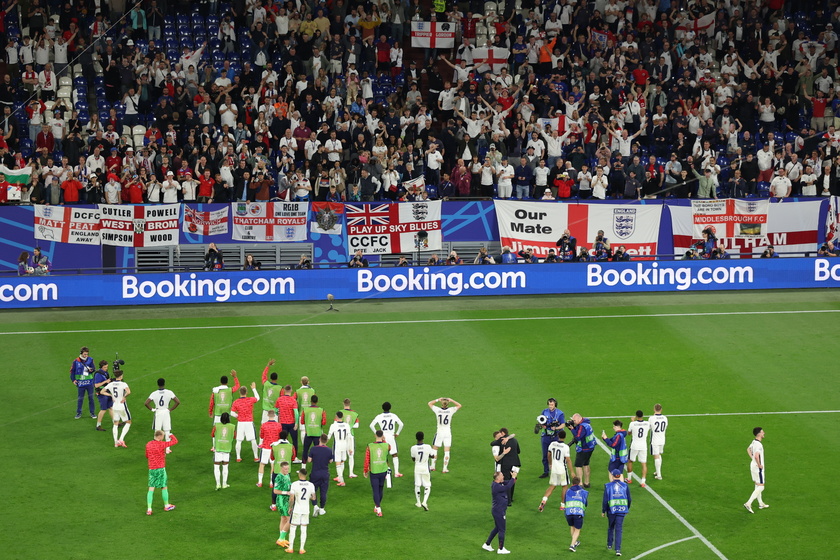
<point x="99" y="81"/>
<point x="84" y="117"/>
<point x="183" y="19"/>
<point x="212" y="20"/>
<point x="723" y="162"/>
<point x="763" y="189"/>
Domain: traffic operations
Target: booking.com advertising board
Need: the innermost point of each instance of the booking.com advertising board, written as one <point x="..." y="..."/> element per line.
<point x="469" y="280"/>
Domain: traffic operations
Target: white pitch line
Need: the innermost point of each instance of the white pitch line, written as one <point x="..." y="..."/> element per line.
<point x="674" y="512"/>
<point x="666" y="545"/>
<point x="421" y="321"/>
<point x="730" y="414"/>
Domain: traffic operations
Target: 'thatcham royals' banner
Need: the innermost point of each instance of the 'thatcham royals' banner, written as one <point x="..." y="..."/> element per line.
<point x="269" y="221"/>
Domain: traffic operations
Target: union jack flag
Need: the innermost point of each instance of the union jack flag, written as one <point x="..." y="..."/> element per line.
<point x="368" y="214"/>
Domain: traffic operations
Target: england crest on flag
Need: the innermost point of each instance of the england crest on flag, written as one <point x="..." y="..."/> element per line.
<point x="420" y="211"/>
<point x="624" y="222"/>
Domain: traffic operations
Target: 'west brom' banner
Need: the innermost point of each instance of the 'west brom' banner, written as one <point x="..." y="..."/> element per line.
<point x="428" y="35"/>
<point x="394" y="228"/>
<point x="270" y="221"/>
<point x="540" y="225"/>
<point x="139" y="226"/>
<point x="206" y="223"/>
<point x="67" y="224"/>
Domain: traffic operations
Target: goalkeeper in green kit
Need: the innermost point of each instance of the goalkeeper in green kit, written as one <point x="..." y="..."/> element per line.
<point x="282" y="490"/>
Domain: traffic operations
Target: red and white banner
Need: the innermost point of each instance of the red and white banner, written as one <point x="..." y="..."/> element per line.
<point x="428" y="35"/>
<point x="493" y="59"/>
<point x="199" y="222"/>
<point x="832" y="219"/>
<point x="730" y="217"/>
<point x="404" y="227"/>
<point x="539" y="225"/>
<point x="139" y="226"/>
<point x="270" y="221"/>
<point x="418" y="182"/>
<point x="791" y="227"/>
<point x="327" y="218"/>
<point x="556" y="123"/>
<point x="705" y="24"/>
<point x="67" y="224"/>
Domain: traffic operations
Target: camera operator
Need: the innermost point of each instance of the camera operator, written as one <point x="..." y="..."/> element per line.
<point x="552" y="419"/>
<point x="358" y="260"/>
<point x="568" y="246"/>
<point x="454" y="259"/>
<point x="602" y="247"/>
<point x="584" y="437"/>
<point x="483" y="257"/>
<point x="709" y="243"/>
<point x="769" y="253"/>
<point x="305" y="263"/>
<point x="551" y="257"/>
<point x="527" y="256"/>
<point x="827" y="250"/>
<point x="719" y="253"/>
<point x="100" y="380"/>
<point x="621" y="254"/>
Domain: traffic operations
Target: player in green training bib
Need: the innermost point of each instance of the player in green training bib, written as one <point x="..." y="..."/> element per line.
<point x="352" y="419"/>
<point x="223" y="435"/>
<point x="282" y="487"/>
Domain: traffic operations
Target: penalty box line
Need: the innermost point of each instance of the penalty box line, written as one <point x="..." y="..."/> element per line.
<point x="674" y="512"/>
<point x="421" y="321"/>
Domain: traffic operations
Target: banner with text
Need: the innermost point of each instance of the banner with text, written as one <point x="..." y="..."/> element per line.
<point x="139" y="226"/>
<point x="789" y="228"/>
<point x="540" y="225"/>
<point x="394" y="228"/>
<point x="201" y="222"/>
<point x="67" y="224"/>
<point x="432" y="35"/>
<point x="729" y="217"/>
<point x="270" y="221"/>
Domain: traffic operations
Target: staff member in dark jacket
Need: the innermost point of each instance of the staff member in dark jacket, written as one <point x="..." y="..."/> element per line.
<point x="500" y="489"/>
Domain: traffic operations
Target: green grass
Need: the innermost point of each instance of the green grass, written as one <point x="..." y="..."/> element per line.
<point x="68" y="493"/>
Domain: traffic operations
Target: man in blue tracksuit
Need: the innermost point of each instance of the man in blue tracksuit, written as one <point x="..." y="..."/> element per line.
<point x="576" y="501"/>
<point x="618" y="447"/>
<point x="615" y="506"/>
<point x="584" y="437"/>
<point x="81" y="374"/>
<point x="500" y="489"/>
<point x="554" y="417"/>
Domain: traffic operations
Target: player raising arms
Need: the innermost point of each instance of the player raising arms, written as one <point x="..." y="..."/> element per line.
<point x="443" y="435"/>
<point x="119" y="390"/>
<point x="271" y="390"/>
<point x="639" y="428"/>
<point x="269" y="433"/>
<point x="352" y="419"/>
<point x="221" y="399"/>
<point x="155" y="453"/>
<point x="391" y="426"/>
<point x="159" y="403"/>
<point x="243" y="410"/>
<point x="302" y="492"/>
<point x="658" y="426"/>
<point x="341" y="432"/>
<point x="223" y="434"/>
<point x="421" y="454"/>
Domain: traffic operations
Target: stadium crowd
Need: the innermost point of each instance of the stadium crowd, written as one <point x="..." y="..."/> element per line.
<point x="161" y="101"/>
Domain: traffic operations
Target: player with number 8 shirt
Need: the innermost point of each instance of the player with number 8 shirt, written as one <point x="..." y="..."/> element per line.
<point x="639" y="429"/>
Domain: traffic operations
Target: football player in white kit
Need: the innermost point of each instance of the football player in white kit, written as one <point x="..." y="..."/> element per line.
<point x="560" y="468"/>
<point x="391" y="426"/>
<point x="420" y="454"/>
<point x="443" y="435"/>
<point x="301" y="493"/>
<point x="756" y="453"/>
<point x="342" y="451"/>
<point x="119" y="390"/>
<point x="658" y="426"/>
<point x="639" y="429"/>
<point x="159" y="403"/>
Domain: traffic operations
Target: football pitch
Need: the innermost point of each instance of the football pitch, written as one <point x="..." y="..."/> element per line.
<point x="720" y="364"/>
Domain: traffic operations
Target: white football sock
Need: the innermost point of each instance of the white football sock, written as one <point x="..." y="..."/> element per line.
<point x="217" y="474"/>
<point x="224" y="474"/>
<point x="417" y="493"/>
<point x="351" y="462"/>
<point x="760" y="491"/>
<point x="292" y="533"/>
<point x="445" y="460"/>
<point x="396" y="465"/>
<point x="125" y="431"/>
<point x="303" y="536"/>
<point x="340" y="471"/>
<point x="428" y="491"/>
<point x="259" y="477"/>
<point x="116" y="432"/>
<point x="658" y="464"/>
<point x="238" y="450"/>
<point x="255" y="449"/>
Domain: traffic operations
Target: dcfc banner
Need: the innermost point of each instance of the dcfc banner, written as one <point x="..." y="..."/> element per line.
<point x="539" y="225"/>
<point x="791" y="227"/>
<point x="418" y="281"/>
<point x="429" y="35"/>
<point x="200" y="222"/>
<point x="139" y="226"/>
<point x="270" y="221"/>
<point x="394" y="228"/>
<point x="67" y="224"/>
<point x="730" y="217"/>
